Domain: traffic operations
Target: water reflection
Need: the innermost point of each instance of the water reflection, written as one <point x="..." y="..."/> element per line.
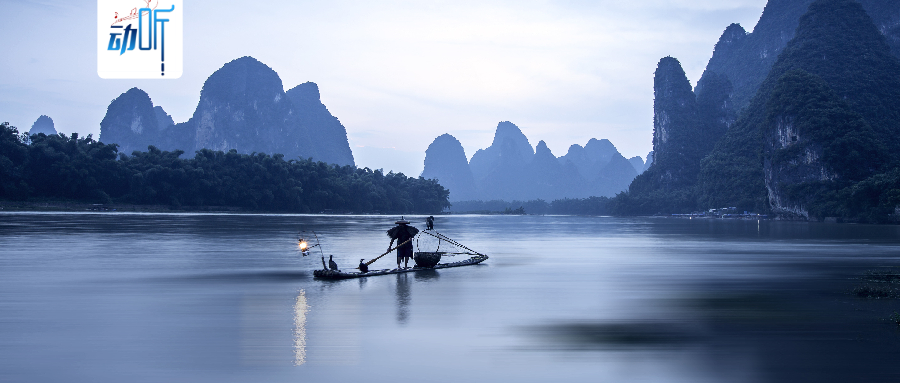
<point x="300" y="310"/>
<point x="198" y="298"/>
<point x="429" y="275"/>
<point x="591" y="335"/>
<point x="262" y="342"/>
<point x="403" y="298"/>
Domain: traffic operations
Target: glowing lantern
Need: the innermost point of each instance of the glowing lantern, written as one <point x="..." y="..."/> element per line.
<point x="304" y="246"/>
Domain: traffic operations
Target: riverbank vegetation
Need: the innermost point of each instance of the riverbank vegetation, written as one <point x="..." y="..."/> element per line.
<point x="61" y="168"/>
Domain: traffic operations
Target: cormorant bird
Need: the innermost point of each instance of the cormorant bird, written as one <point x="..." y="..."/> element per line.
<point x="363" y="267"/>
<point x="331" y="264"/>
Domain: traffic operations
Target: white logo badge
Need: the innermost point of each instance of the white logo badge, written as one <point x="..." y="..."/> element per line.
<point x="140" y="39"/>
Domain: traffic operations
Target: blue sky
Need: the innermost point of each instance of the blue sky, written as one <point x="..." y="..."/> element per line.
<point x="396" y="73"/>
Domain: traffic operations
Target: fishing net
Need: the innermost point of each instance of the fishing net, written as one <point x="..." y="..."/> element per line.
<point x="434" y="242"/>
<point x="430" y="244"/>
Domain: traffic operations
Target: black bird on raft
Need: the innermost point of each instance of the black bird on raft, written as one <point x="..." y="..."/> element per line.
<point x="363" y="267"/>
<point x="332" y="264"/>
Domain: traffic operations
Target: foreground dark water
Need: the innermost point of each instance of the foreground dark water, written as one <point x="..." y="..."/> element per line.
<point x="228" y="298"/>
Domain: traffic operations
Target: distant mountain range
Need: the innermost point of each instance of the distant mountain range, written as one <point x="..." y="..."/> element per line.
<point x="800" y="118"/>
<point x="511" y="169"/>
<point x="243" y="106"/>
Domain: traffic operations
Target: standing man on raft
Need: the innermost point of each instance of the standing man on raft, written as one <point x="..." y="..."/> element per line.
<point x="402" y="233"/>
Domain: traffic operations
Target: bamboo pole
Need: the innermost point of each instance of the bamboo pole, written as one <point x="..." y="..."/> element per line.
<point x="388" y="252"/>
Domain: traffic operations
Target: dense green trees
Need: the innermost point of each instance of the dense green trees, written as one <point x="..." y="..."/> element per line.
<point x="820" y="137"/>
<point x="684" y="131"/>
<point x="82" y="169"/>
<point x="838" y="84"/>
<point x="815" y="145"/>
<point x="12" y="156"/>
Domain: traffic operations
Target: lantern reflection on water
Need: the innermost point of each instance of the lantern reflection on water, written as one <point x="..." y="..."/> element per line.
<point x="300" y="309"/>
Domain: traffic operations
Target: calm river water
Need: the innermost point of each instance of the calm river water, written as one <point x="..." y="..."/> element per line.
<point x="228" y="298"/>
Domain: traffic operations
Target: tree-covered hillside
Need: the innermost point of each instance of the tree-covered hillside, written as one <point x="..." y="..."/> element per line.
<point x="680" y="140"/>
<point x="57" y="167"/>
<point x="745" y="58"/>
<point x="820" y="133"/>
<point x="837" y="43"/>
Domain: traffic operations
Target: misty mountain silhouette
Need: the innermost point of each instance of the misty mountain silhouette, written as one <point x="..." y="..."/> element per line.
<point x="44" y="124"/>
<point x="510" y="169"/>
<point x="243" y="106"/>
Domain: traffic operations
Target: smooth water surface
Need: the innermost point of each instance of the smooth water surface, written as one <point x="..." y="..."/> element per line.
<point x="228" y="298"/>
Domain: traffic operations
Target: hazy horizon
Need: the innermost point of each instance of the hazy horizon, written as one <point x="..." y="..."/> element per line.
<point x="397" y="74"/>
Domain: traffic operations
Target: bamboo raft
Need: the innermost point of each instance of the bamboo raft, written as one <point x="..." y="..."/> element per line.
<point x="336" y="275"/>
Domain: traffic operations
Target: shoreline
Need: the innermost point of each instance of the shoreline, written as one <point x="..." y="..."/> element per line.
<point x="58" y="206"/>
<point x="81" y="207"/>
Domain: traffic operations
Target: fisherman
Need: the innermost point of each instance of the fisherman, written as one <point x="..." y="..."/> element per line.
<point x="403" y="234"/>
<point x="429" y="223"/>
<point x="363" y="267"/>
<point x="332" y="264"/>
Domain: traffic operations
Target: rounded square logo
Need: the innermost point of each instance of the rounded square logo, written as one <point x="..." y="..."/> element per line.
<point x="140" y="39"/>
